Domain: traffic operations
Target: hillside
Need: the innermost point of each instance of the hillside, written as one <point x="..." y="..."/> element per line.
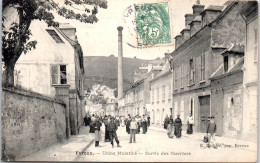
<point x="103" y="70"/>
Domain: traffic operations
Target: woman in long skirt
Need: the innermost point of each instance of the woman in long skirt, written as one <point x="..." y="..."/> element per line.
<point x="170" y="127"/>
<point x="178" y="127"/>
<point x="97" y="125"/>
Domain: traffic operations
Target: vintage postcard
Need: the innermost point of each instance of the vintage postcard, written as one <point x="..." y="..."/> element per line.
<point x="129" y="80"/>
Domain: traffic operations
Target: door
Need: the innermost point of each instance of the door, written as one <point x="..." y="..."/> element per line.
<point x="204" y="112"/>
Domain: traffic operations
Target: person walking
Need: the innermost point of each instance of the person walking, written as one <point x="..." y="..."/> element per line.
<point x="144" y="124"/>
<point x="170" y="127"/>
<point x="92" y="124"/>
<point x="166" y="121"/>
<point x="148" y="121"/>
<point x="106" y="121"/>
<point x="177" y="127"/>
<point x="86" y="122"/>
<point x="190" y="123"/>
<point x="97" y="125"/>
<point x="211" y="129"/>
<point x="133" y="129"/>
<point x="112" y="127"/>
<point x="117" y="121"/>
<point x="138" y="120"/>
<point x="128" y="124"/>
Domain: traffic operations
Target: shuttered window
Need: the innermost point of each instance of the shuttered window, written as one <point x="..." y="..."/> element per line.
<point x="58" y="74"/>
<point x="192" y="71"/>
<point x="202" y="78"/>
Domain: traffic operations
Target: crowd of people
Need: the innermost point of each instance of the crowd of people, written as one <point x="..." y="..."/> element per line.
<point x="133" y="126"/>
<point x="174" y="128"/>
<point x="139" y="124"/>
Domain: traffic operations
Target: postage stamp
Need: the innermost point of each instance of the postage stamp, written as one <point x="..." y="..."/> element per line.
<point x="152" y="24"/>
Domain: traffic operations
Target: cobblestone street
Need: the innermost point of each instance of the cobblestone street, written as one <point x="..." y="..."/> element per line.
<point x="153" y="146"/>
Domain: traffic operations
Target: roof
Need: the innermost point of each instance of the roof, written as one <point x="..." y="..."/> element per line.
<point x="225" y="10"/>
<point x="76" y="46"/>
<point x="65" y="25"/>
<point x="235" y="49"/>
<point x="214" y="8"/>
<point x="163" y="73"/>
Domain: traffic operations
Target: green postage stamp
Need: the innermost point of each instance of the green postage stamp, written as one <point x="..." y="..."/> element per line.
<point x="152" y="24"/>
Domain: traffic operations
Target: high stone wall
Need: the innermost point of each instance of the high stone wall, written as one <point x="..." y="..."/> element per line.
<point x="30" y="122"/>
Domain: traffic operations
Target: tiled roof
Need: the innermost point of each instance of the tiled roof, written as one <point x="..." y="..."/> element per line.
<point x="235" y="48"/>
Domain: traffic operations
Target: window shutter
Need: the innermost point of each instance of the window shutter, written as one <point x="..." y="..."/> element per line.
<point x="194" y="73"/>
<point x="193" y="109"/>
<point x="54" y="74"/>
<point x="200" y="67"/>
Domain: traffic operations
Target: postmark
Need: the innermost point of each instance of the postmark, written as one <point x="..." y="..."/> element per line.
<point x="148" y="25"/>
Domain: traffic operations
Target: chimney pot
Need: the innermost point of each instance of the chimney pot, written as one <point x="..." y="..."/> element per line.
<point x="195" y="25"/>
<point x="197" y="9"/>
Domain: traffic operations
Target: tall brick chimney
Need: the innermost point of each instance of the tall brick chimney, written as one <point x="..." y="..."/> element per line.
<point x="185" y="33"/>
<point x="197" y="9"/>
<point x="195" y="25"/>
<point x="120" y="63"/>
<point x="178" y="41"/>
<point x="210" y="13"/>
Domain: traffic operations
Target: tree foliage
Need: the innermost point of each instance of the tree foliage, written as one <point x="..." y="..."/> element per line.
<point x="15" y="39"/>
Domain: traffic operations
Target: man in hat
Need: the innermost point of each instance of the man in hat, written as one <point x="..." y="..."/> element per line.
<point x="144" y="124"/>
<point x="211" y="130"/>
<point x="112" y="127"/>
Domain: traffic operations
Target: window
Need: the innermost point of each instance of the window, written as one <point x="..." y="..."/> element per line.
<point x="202" y="78"/>
<point x="182" y="75"/>
<point x="163" y="94"/>
<point x="55" y="36"/>
<point x="170" y="92"/>
<point x="225" y="63"/>
<point x="175" y="79"/>
<point x="58" y="74"/>
<point x="256" y="45"/>
<point x="157" y="94"/>
<point x="152" y="96"/>
<point x="192" y="72"/>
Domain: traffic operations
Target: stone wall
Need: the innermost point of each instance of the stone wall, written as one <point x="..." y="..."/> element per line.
<point x="30" y="122"/>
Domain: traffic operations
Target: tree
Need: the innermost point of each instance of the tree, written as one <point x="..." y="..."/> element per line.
<point x="15" y="38"/>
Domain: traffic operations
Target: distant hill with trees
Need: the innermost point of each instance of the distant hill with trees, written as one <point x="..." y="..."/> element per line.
<point x="103" y="70"/>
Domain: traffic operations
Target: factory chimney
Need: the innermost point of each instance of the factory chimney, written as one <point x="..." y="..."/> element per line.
<point x="120" y="63"/>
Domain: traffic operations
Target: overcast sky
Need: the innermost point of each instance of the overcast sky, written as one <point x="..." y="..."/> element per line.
<point x="100" y="39"/>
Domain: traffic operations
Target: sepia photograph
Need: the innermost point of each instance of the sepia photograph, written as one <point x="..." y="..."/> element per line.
<point x="129" y="81"/>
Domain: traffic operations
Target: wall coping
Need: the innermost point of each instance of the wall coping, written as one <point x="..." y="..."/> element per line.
<point x="31" y="94"/>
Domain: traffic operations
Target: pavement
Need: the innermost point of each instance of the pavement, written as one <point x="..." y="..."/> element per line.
<point x="154" y="146"/>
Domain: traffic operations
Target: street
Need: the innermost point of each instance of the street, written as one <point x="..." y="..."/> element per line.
<point x="154" y="146"/>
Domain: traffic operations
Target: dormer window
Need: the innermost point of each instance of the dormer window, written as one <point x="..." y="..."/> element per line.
<point x="231" y="56"/>
<point x="225" y="63"/>
<point x="54" y="35"/>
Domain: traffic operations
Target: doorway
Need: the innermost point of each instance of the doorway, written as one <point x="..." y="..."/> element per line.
<point x="204" y="112"/>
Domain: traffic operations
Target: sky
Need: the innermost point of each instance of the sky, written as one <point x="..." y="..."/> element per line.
<point x="101" y="38"/>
